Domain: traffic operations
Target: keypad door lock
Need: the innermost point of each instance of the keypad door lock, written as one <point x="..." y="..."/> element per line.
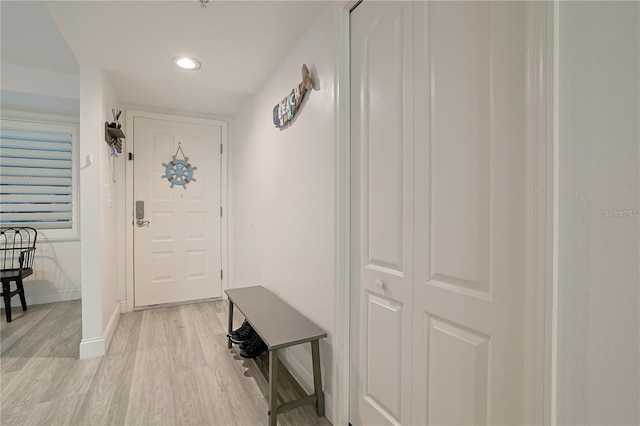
<point x="140" y="214"/>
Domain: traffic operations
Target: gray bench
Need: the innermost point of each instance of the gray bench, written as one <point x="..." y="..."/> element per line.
<point x="279" y="326"/>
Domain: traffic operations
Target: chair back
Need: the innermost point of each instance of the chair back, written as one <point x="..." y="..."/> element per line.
<point x="17" y="248"/>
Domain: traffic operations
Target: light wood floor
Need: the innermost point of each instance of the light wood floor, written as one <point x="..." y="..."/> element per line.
<point x="165" y="366"/>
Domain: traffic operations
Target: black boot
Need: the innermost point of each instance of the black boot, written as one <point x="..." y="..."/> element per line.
<point x="242" y="334"/>
<point x="253" y="348"/>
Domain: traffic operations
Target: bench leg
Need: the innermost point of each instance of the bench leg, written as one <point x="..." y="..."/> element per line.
<point x="6" y="293"/>
<point x="317" y="377"/>
<point x="230" y="328"/>
<point x="23" y="301"/>
<point x="273" y="387"/>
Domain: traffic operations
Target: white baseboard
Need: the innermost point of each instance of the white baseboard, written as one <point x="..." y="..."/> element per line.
<point x="92" y="348"/>
<point x="97" y="346"/>
<point x="304" y="375"/>
<point x="111" y="325"/>
<point x="47" y="297"/>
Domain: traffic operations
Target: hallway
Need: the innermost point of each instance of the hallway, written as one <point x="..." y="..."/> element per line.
<point x="164" y="366"/>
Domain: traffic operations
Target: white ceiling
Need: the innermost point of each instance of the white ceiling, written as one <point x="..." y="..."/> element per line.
<point x="239" y="43"/>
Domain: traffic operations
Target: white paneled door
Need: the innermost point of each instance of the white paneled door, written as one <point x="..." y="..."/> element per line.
<point x="438" y="174"/>
<point x="178" y="252"/>
<point x="382" y="175"/>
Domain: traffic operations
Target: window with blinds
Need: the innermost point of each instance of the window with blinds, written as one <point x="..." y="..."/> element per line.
<point x="37" y="175"/>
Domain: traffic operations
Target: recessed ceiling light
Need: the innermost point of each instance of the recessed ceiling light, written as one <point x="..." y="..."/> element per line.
<point x="187" y="63"/>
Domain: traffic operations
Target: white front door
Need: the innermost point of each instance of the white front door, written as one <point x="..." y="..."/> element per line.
<point x="178" y="252"/>
<point x="444" y="230"/>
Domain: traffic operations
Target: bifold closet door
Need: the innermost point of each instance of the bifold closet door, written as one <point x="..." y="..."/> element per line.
<point x="382" y="175"/>
<point x="438" y="180"/>
<point x="468" y="304"/>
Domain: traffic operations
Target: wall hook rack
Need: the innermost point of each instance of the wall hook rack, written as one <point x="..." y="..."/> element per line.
<point x="113" y="136"/>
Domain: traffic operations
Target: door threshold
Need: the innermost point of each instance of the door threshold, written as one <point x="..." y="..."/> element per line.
<point x="170" y="304"/>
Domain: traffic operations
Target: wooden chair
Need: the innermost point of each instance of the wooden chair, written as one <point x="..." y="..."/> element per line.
<point x="17" y="251"/>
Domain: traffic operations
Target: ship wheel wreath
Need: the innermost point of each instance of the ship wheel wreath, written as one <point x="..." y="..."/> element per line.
<point x="179" y="171"/>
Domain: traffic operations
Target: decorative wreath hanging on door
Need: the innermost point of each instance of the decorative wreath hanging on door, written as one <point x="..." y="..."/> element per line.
<point x="179" y="171"/>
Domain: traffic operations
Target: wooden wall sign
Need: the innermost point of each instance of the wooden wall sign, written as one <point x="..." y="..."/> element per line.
<point x="286" y="109"/>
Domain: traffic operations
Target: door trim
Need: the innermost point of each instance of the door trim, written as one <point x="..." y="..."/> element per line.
<point x="343" y="213"/>
<point x="540" y="206"/>
<point x="129" y="194"/>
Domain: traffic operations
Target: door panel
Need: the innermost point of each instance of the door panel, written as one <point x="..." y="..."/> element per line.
<point x="460" y="143"/>
<point x="382" y="172"/>
<point x="458" y="369"/>
<point x="178" y="254"/>
<point x="382" y="125"/>
<point x="384" y="361"/>
<point x="438" y="183"/>
<point x="470" y="217"/>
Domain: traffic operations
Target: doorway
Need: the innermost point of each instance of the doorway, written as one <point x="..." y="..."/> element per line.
<point x="178" y="228"/>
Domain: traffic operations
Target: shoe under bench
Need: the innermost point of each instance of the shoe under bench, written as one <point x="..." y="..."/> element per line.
<point x="280" y="326"/>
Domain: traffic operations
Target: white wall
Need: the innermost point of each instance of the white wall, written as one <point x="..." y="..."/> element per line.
<point x="44" y="95"/>
<point x="41" y="91"/>
<point x="113" y="207"/>
<point x="90" y="266"/>
<point x="598" y="276"/>
<point x="283" y="184"/>
<point x="100" y="240"/>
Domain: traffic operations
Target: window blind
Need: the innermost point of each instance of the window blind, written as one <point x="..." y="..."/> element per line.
<point x="36" y="175"/>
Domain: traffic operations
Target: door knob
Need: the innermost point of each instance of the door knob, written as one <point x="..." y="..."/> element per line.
<point x="142" y="222"/>
<point x="379" y="282"/>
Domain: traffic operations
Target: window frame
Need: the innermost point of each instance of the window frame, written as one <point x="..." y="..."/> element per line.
<point x="55" y="124"/>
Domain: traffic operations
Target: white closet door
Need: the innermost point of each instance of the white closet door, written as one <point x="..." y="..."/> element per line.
<point x="382" y="173"/>
<point x="470" y="214"/>
<point x="438" y="175"/>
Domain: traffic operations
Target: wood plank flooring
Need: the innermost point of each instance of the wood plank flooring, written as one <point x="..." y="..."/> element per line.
<point x="165" y="366"/>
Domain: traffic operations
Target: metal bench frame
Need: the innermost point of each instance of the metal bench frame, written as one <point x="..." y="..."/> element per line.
<point x="280" y="326"/>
